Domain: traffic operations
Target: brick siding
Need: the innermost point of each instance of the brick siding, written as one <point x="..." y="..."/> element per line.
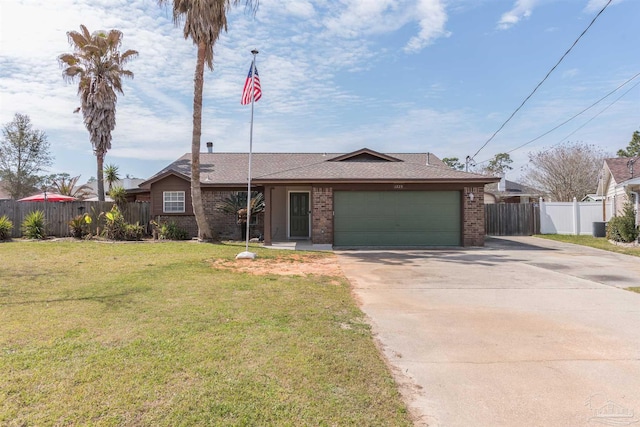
<point x="185" y="222"/>
<point x="322" y="227"/>
<point x="473" y="214"/>
<point x="224" y="225"/>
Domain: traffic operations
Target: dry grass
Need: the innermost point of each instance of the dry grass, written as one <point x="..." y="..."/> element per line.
<point x="594" y="242"/>
<point x="154" y="334"/>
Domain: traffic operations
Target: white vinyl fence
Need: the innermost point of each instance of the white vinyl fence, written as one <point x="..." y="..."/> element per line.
<point x="573" y="217"/>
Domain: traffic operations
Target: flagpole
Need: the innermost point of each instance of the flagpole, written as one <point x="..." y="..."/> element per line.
<point x="248" y="254"/>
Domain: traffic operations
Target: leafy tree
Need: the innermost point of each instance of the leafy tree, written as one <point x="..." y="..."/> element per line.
<point x="111" y="175"/>
<point x="204" y="20"/>
<point x="24" y="152"/>
<point x="499" y="165"/>
<point x="633" y="149"/>
<point x="453" y="163"/>
<point x="565" y="171"/>
<point x="99" y="66"/>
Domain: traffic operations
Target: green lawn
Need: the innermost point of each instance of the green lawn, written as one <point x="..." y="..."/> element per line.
<point x="594" y="242"/>
<point x="152" y="334"/>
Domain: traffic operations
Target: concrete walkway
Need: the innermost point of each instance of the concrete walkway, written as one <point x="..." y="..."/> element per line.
<point x="299" y="245"/>
<point x="523" y="332"/>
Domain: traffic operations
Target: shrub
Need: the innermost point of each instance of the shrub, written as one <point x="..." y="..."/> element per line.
<point x="116" y="228"/>
<point x="34" y="225"/>
<point x="119" y="196"/>
<point x="79" y="226"/>
<point x="623" y="228"/>
<point x="6" y="227"/>
<point x="171" y="231"/>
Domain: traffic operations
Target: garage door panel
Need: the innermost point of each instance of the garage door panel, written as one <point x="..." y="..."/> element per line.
<point x="409" y="218"/>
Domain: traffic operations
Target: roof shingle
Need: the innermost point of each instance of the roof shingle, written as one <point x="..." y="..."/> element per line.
<point x="231" y="168"/>
<point x="621" y="170"/>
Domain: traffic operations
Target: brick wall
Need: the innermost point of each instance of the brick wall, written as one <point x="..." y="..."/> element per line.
<point x="224" y="226"/>
<point x="322" y="227"/>
<point x="473" y="214"/>
<point x="185" y="222"/>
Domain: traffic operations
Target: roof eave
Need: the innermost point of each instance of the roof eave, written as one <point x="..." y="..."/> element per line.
<point x="375" y="181"/>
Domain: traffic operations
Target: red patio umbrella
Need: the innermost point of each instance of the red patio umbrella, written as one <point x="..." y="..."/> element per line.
<point x="48" y="197"/>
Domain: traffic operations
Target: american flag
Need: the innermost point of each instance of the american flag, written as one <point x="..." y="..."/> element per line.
<point x="246" y="92"/>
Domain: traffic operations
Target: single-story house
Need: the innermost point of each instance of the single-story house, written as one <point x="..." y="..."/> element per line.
<point x="4" y="193"/>
<point x="506" y="191"/>
<point x="619" y="182"/>
<point x="132" y="185"/>
<point x="362" y="198"/>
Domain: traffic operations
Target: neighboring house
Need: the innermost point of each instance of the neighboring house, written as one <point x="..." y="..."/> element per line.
<point x="4" y="194"/>
<point x="593" y="198"/>
<point x="619" y="182"/>
<point x="363" y="198"/>
<point x="132" y="185"/>
<point x="507" y="191"/>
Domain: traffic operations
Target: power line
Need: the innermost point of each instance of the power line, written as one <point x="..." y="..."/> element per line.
<point x="601" y="111"/>
<point x="542" y="81"/>
<point x="578" y="114"/>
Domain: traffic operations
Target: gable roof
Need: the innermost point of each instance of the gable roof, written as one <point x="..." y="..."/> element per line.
<point x="365" y="155"/>
<point x="230" y="169"/>
<point x="621" y="170"/>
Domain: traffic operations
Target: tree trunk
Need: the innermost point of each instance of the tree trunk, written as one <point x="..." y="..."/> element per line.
<point x="100" y="173"/>
<point x="204" y="232"/>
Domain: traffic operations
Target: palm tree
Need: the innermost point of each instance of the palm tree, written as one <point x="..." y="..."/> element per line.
<point x="204" y="20"/>
<point x="111" y="175"/>
<point x="67" y="186"/>
<point x="98" y="65"/>
<point x="236" y="204"/>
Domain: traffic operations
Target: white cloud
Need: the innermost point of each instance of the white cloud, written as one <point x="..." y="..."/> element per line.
<point x="521" y="10"/>
<point x="571" y="73"/>
<point x="597" y="5"/>
<point x="432" y="17"/>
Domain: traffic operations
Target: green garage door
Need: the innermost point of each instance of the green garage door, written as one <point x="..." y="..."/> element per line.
<point x="397" y="218"/>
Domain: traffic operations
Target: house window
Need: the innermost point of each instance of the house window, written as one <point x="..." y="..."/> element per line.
<point x="173" y="201"/>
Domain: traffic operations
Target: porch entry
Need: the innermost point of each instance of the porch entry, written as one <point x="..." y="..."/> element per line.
<point x="299" y="215"/>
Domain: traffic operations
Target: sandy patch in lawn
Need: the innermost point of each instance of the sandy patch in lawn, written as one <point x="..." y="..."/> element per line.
<point x="295" y="264"/>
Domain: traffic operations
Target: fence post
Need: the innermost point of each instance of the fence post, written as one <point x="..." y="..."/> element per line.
<point x="576" y="217"/>
<point x="543" y="227"/>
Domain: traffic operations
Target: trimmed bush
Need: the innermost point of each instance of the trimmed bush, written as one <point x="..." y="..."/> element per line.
<point x="623" y="228"/>
<point x="6" y="227"/>
<point x="34" y="225"/>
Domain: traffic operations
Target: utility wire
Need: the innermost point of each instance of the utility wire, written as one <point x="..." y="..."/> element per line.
<point x="601" y="111"/>
<point x="578" y="114"/>
<point x="542" y="81"/>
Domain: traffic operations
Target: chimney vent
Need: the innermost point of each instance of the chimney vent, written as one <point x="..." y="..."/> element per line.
<point x="210" y="147"/>
<point x="502" y="185"/>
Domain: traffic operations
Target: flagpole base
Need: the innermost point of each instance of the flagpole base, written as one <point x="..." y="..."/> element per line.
<point x="246" y="255"/>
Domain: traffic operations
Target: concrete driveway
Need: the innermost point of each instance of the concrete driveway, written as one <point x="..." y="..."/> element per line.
<point x="523" y="332"/>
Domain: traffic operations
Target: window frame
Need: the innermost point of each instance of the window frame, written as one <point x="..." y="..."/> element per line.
<point x="176" y="201"/>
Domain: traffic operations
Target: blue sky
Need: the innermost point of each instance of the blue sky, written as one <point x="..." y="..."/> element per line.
<point x="337" y="75"/>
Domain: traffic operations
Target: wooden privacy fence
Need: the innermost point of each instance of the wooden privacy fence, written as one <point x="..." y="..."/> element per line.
<point x="58" y="214"/>
<point x="512" y="219"/>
